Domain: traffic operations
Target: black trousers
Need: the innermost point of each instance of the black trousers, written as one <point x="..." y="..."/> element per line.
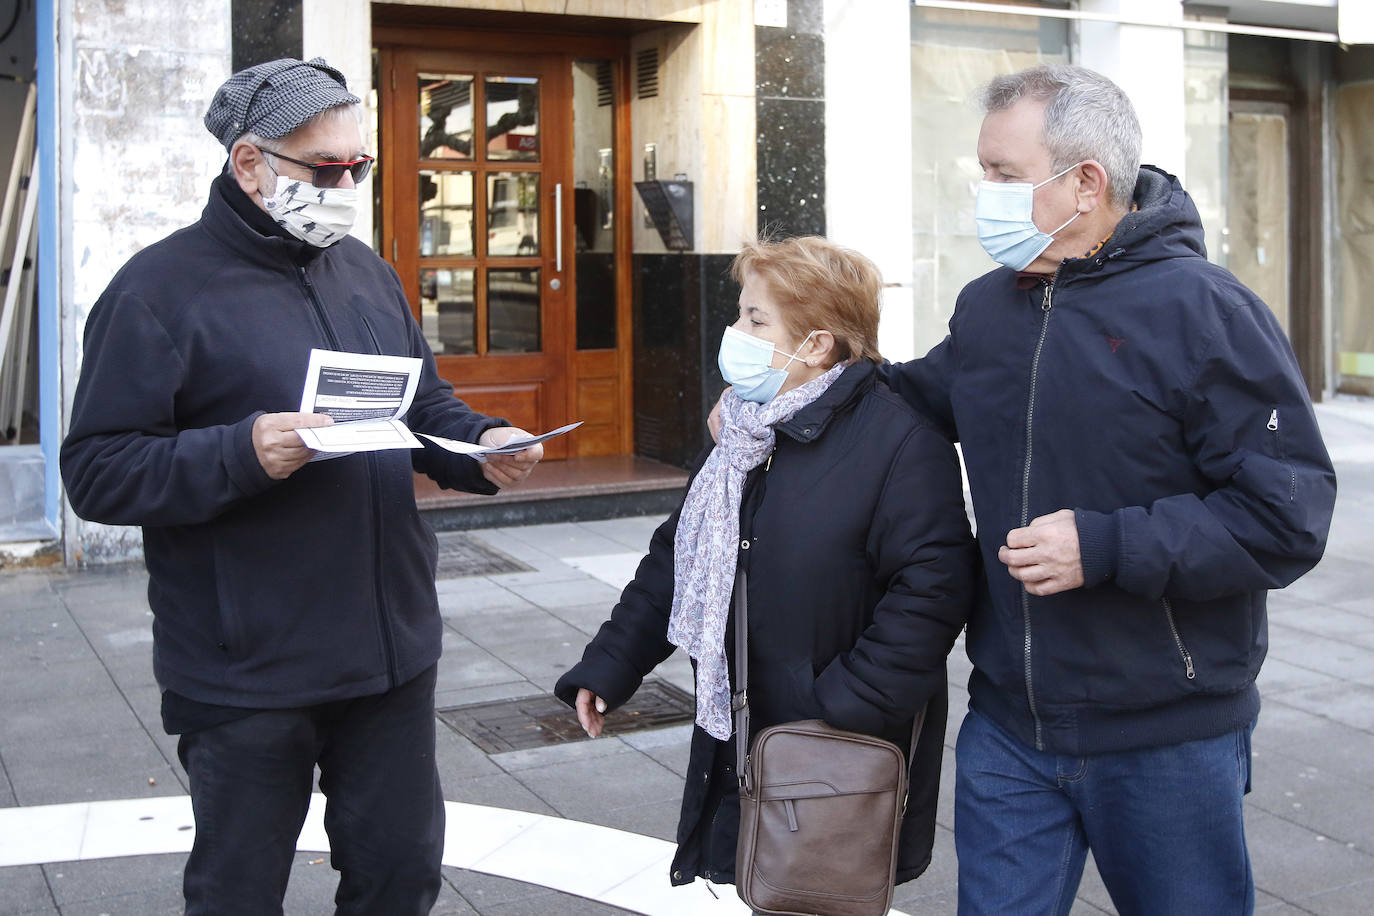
<point x="250" y="789"/>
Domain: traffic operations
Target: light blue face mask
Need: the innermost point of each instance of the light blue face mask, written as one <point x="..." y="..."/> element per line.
<point x="746" y="363"/>
<point x="1003" y="211"/>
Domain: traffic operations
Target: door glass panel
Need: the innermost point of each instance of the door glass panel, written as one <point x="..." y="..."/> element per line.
<point x="446" y="214"/>
<point x="512" y="118"/>
<point x="445" y="116"/>
<point x="1258" y="239"/>
<point x="448" y="311"/>
<point x="513" y="311"/>
<point x="512" y="214"/>
<point x="594" y="202"/>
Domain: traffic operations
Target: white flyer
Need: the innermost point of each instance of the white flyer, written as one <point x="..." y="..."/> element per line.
<point x="480" y="452"/>
<point x="366" y="394"/>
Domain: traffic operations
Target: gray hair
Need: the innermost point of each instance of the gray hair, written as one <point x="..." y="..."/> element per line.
<point x="274" y="144"/>
<point x="1087" y="116"/>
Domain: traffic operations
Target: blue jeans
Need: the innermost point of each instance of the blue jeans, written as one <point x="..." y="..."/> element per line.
<point x="1164" y="825"/>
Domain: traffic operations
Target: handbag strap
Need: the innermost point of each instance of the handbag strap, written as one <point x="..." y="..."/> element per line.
<point x="739" y="698"/>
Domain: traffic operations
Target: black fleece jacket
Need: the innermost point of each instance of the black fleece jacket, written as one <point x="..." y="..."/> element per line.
<point x="265" y="594"/>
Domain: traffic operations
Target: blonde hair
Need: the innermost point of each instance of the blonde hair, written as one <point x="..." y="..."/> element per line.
<point x="819" y="285"/>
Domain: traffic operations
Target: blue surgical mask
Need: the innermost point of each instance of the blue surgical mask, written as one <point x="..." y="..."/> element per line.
<point x="1003" y="211"/>
<point x="746" y="363"/>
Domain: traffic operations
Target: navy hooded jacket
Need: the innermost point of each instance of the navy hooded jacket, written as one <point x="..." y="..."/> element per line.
<point x="265" y="593"/>
<point x="1152" y="393"/>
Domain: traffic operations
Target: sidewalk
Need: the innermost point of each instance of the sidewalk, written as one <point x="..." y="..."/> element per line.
<point x="79" y="722"/>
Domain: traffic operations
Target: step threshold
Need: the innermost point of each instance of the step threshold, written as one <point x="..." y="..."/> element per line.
<point x="575" y="489"/>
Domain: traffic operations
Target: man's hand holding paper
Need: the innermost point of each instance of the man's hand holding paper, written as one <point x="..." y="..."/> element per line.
<point x="508" y="470"/>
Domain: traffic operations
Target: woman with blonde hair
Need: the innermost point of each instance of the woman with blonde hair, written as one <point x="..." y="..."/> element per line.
<point x="843" y="511"/>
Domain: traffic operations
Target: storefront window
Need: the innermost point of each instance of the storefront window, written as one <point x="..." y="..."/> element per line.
<point x="953" y="54"/>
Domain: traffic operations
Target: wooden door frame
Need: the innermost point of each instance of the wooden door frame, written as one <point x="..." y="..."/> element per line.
<point x="569" y="47"/>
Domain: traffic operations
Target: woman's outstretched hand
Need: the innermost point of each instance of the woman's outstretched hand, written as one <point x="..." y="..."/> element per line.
<point x="589" y="712"/>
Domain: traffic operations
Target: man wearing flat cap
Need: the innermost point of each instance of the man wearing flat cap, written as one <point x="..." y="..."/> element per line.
<point x="295" y="620"/>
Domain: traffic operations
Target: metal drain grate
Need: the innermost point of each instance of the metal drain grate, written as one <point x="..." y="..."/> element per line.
<point x="462" y="555"/>
<point x="525" y="722"/>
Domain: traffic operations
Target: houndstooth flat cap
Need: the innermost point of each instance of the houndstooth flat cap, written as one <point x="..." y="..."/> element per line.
<point x="275" y="98"/>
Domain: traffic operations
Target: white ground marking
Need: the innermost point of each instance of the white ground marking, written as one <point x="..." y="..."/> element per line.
<point x="615" y="569"/>
<point x="610" y="866"/>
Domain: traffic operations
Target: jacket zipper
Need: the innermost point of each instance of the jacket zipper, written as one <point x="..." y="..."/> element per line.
<point x="1178" y="640"/>
<point x="374" y="478"/>
<point x="1045" y="306"/>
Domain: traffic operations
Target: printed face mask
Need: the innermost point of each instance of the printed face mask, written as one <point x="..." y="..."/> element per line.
<point x="1003" y="212"/>
<point x="320" y="216"/>
<point x="746" y="363"/>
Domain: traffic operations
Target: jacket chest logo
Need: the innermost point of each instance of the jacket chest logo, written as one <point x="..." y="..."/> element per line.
<point x="1114" y="342"/>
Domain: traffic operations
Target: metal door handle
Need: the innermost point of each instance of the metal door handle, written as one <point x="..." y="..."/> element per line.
<point x="558" y="227"/>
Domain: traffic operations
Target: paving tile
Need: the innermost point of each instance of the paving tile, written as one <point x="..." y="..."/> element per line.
<point x="483" y="693"/>
<point x="559" y="754"/>
<point x="565" y="539"/>
<point x="656" y="819"/>
<point x="670" y="746"/>
<point x="1355" y="897"/>
<point x="587" y="618"/>
<point x="465" y="664"/>
<point x="1327" y="620"/>
<point x="499" y="791"/>
<point x="582" y="590"/>
<point x="1317" y="799"/>
<point x="936" y="890"/>
<point x="94" y="879"/>
<point x="23" y="889"/>
<point x="85" y="714"/>
<point x="633" y="532"/>
<point x="474" y="593"/>
<point x="459" y="759"/>
<point x="25" y="681"/>
<point x="582" y="789"/>
<point x="1292" y="862"/>
<point x="1278" y="677"/>
<point x="1337" y="657"/>
<point x="1317" y="740"/>
<point x="1349" y="704"/>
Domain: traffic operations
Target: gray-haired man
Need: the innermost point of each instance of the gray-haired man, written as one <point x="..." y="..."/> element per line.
<point x="1144" y="465"/>
<point x="295" y="615"/>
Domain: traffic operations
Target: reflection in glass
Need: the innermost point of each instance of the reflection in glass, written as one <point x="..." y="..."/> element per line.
<point x="513" y="311"/>
<point x="512" y="118"/>
<point x="448" y="311"/>
<point x="594" y="202"/>
<point x="445" y="116"/>
<point x="446" y="214"/>
<point x="512" y="214"/>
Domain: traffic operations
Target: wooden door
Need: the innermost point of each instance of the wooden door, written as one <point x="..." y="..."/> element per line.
<point x="484" y="215"/>
<point x="474" y="190"/>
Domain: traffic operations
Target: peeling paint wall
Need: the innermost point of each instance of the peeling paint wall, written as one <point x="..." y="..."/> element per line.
<point x="140" y="162"/>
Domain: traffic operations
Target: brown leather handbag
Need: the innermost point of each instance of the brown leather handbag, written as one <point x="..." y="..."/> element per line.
<point x="820" y="809"/>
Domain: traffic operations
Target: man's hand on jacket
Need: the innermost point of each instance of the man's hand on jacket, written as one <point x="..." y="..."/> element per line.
<point x="1044" y="556"/>
<point x="280" y="451"/>
<point x="508" y="470"/>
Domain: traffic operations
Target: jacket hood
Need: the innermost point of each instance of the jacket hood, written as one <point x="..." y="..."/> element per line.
<point x="1164" y="225"/>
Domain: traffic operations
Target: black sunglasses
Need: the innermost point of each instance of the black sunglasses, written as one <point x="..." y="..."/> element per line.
<point x="329" y="174"/>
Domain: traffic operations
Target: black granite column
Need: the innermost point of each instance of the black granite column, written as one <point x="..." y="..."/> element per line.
<point x="264" y="30"/>
<point x="790" y="100"/>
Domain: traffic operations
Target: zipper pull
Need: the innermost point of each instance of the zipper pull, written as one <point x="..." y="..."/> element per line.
<point x="1047" y="303"/>
<point x="1273" y="423"/>
<point x="769" y="463"/>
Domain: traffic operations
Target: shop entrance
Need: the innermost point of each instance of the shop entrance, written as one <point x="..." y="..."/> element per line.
<point x="502" y="190"/>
